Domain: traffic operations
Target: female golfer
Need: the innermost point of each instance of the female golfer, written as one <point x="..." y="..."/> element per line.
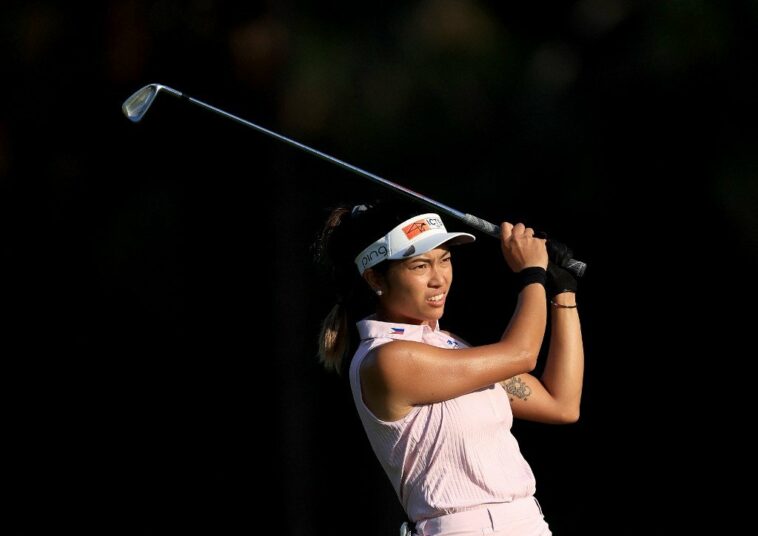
<point x="437" y="411"/>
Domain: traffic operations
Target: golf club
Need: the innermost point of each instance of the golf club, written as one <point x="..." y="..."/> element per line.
<point x="137" y="105"/>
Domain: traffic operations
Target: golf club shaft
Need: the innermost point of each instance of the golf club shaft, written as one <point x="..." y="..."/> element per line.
<point x="141" y="100"/>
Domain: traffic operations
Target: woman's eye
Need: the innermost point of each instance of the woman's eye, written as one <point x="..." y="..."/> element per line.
<point x="417" y="266"/>
<point x="447" y="259"/>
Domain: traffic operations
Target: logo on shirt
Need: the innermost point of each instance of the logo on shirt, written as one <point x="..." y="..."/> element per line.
<point x="397" y="331"/>
<point x="452" y="343"/>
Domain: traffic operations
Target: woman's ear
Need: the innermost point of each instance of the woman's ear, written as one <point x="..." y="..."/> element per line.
<point x="373" y="280"/>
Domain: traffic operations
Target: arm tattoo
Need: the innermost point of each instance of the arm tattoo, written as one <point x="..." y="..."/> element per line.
<point x="516" y="387"/>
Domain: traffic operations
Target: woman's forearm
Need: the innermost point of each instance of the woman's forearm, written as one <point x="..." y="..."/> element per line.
<point x="564" y="370"/>
<point x="526" y="328"/>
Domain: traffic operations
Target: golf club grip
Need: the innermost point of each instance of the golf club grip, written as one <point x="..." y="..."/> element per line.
<point x="574" y="266"/>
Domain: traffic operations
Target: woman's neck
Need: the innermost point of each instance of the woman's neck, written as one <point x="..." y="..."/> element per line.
<point x="383" y="316"/>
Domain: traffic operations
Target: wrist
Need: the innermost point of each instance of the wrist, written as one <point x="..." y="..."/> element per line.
<point x="564" y="300"/>
<point x="530" y="275"/>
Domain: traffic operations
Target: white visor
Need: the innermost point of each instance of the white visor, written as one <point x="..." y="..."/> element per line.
<point x="414" y="236"/>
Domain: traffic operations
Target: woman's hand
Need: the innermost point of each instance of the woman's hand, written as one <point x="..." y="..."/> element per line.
<point x="520" y="248"/>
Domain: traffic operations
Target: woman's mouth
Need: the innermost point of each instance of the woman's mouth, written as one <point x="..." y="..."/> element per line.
<point x="438" y="300"/>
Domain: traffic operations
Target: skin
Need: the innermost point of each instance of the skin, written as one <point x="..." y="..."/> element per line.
<point x="401" y="374"/>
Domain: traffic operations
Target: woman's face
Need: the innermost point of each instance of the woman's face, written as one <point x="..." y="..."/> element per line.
<point x="415" y="289"/>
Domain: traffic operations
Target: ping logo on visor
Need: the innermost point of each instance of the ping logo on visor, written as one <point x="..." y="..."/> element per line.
<point x="414" y="236"/>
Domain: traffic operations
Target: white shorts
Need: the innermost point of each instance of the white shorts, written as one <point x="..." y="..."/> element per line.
<point x="522" y="517"/>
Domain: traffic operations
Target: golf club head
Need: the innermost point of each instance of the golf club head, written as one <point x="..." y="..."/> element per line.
<point x="136" y="106"/>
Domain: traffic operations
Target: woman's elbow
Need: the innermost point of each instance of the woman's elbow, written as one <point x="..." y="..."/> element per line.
<point x="569" y="415"/>
<point x="530" y="360"/>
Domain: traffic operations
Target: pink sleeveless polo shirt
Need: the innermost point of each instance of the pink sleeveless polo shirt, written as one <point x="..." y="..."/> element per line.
<point x="446" y="457"/>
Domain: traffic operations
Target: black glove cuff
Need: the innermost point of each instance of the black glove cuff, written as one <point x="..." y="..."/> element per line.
<point x="533" y="274"/>
<point x="559" y="280"/>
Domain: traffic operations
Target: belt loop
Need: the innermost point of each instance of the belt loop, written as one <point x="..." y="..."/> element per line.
<point x="408" y="528"/>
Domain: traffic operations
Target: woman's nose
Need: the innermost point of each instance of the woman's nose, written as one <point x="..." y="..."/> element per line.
<point x="436" y="277"/>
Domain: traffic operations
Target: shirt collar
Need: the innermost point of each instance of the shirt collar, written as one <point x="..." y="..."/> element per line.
<point x="370" y="328"/>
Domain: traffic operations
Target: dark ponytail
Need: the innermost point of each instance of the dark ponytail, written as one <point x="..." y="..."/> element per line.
<point x="333" y="340"/>
<point x="333" y="343"/>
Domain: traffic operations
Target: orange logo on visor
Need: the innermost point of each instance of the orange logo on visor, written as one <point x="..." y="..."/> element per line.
<point x="416" y="228"/>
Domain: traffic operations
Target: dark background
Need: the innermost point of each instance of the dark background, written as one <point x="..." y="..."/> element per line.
<point x="161" y="307"/>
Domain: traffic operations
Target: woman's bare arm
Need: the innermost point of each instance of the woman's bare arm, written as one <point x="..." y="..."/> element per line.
<point x="555" y="397"/>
